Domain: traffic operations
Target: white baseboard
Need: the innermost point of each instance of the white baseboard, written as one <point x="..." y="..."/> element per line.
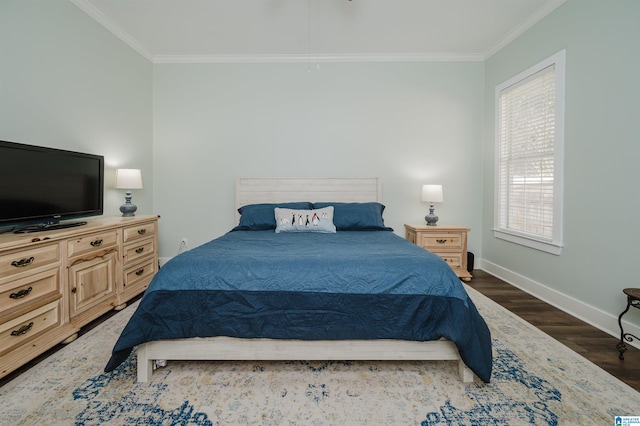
<point x="587" y="313"/>
<point x="163" y="260"/>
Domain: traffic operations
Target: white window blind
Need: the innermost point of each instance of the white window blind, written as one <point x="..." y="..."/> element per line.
<point x="528" y="176"/>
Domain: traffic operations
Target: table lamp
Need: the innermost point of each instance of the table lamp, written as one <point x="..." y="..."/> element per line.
<point x="128" y="179"/>
<point x="431" y="194"/>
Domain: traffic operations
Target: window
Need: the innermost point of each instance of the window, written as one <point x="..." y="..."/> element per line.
<point x="529" y="156"/>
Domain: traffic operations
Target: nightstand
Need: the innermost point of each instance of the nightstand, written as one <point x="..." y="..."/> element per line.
<point x="447" y="241"/>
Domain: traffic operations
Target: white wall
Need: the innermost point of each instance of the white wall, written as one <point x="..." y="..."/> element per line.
<point x="408" y="123"/>
<point x="602" y="148"/>
<point x="68" y="83"/>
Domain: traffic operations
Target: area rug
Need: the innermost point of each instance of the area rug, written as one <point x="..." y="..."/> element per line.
<point x="536" y="380"/>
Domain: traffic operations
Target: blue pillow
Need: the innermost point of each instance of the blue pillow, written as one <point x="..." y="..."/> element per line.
<point x="318" y="220"/>
<point x="258" y="217"/>
<point x="356" y="216"/>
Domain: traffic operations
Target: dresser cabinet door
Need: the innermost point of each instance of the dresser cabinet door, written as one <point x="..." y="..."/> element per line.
<point x="91" y="282"/>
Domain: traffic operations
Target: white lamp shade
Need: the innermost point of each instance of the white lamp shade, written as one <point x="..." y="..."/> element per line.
<point x="432" y="193"/>
<point x="128" y="179"/>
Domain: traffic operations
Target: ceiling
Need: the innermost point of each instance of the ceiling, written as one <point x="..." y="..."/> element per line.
<point x="208" y="31"/>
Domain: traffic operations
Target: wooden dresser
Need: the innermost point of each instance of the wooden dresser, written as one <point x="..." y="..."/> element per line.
<point x="54" y="282"/>
<point x="447" y="241"/>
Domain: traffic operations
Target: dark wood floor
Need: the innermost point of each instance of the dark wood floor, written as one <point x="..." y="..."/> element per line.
<point x="593" y="344"/>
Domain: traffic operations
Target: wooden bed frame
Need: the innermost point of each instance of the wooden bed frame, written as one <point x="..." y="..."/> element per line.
<point x="274" y="190"/>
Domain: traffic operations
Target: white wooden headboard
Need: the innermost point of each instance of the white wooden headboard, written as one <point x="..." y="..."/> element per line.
<point x="278" y="190"/>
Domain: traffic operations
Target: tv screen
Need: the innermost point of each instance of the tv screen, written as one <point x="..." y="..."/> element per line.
<point x="40" y="186"/>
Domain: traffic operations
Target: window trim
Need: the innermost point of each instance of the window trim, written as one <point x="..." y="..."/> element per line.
<point x="554" y="244"/>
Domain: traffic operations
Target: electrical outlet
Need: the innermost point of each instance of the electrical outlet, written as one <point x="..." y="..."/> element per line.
<point x="183" y="245"/>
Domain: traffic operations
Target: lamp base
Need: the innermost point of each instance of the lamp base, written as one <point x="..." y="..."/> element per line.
<point x="128" y="209"/>
<point x="431" y="218"/>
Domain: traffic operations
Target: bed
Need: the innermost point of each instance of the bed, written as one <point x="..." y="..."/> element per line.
<point x="319" y="279"/>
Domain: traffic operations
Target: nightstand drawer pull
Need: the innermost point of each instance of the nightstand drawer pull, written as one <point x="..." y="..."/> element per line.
<point x="23" y="262"/>
<point x="96" y="243"/>
<point x="140" y="271"/>
<point x="22" y="330"/>
<point x="441" y="241"/>
<point x="139" y="250"/>
<point x="22" y="293"/>
<point x="142" y="231"/>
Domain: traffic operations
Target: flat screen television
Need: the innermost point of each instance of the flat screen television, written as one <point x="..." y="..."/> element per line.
<point x="40" y="187"/>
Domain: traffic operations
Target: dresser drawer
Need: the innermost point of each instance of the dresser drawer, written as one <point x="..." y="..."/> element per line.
<point x="89" y="243"/>
<point x="29" y="326"/>
<point x="139" y="274"/>
<point x="21" y="293"/>
<point x="446" y="240"/>
<point x="139" y="250"/>
<point x="18" y="263"/>
<point x="140" y="231"/>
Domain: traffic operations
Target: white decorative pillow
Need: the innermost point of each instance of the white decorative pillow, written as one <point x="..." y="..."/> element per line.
<point x="320" y="220"/>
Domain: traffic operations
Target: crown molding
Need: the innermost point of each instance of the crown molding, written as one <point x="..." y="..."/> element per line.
<point x="103" y="20"/>
<point x="543" y="11"/>
<point x="315" y="58"/>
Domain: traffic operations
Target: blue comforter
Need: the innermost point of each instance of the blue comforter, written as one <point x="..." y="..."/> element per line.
<point x="311" y="286"/>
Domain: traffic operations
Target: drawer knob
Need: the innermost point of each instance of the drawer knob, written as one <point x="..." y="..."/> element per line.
<point x="22" y="330"/>
<point x="22" y="293"/>
<point x="142" y="231"/>
<point x="23" y="262"/>
<point x="139" y="250"/>
<point x="441" y="241"/>
<point x="96" y="243"/>
<point x="140" y="271"/>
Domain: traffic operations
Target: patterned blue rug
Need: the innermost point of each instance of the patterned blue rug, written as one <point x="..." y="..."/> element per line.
<point x="536" y="380"/>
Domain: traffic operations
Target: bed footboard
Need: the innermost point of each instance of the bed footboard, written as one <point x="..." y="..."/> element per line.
<point x="227" y="349"/>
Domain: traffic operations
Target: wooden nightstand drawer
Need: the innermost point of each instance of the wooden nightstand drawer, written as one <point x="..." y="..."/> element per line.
<point x="89" y="243"/>
<point x="28" y="326"/>
<point x="439" y="241"/>
<point x="453" y="259"/>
